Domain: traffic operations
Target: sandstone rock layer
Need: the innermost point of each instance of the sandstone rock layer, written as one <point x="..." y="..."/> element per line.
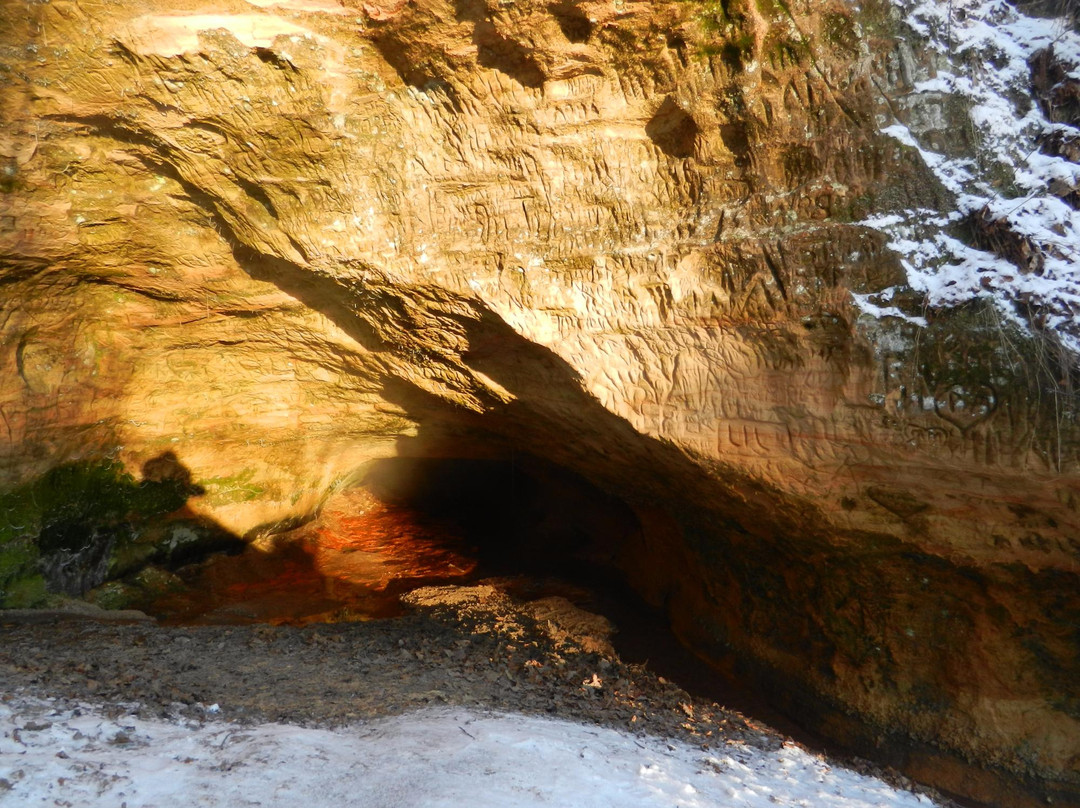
<point x="274" y="242"/>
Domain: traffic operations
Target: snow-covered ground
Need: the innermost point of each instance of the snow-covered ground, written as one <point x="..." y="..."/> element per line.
<point x="983" y="49"/>
<point x="59" y="755"/>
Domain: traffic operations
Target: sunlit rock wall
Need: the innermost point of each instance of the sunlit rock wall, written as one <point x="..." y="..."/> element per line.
<point x="276" y="240"/>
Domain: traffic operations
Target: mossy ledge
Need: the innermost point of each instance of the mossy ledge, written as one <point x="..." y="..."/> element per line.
<point x="85" y="522"/>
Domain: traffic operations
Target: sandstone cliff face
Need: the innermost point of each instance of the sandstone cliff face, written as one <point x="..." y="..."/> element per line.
<point x="274" y="241"/>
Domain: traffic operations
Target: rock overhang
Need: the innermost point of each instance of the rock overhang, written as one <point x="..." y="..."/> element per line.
<point x="286" y="240"/>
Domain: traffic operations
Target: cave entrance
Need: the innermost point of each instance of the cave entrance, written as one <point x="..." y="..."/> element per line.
<point x="531" y="529"/>
<point x="411" y="522"/>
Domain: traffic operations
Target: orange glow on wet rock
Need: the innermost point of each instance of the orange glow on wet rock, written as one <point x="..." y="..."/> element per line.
<point x="350" y="564"/>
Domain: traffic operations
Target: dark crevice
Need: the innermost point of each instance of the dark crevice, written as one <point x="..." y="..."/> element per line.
<point x="22" y="268"/>
<point x="142" y="291"/>
<point x="573" y="22"/>
<point x="737" y="141"/>
<point x="270" y="57"/>
<point x="255" y="191"/>
<point x="673" y="130"/>
<point x="506" y="55"/>
<point x="1056" y="90"/>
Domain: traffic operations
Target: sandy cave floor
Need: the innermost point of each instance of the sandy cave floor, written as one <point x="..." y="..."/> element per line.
<point x="97" y="711"/>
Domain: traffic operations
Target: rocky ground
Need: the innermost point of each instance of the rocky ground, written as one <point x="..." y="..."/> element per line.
<point x="462" y="646"/>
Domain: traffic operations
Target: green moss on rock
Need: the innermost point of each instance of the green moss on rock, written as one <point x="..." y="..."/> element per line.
<point x="840" y="32"/>
<point x="79" y="523"/>
<point x="156" y="581"/>
<point x="115" y="595"/>
<point x="25" y="593"/>
<point x="235" y="488"/>
<point x="136" y="592"/>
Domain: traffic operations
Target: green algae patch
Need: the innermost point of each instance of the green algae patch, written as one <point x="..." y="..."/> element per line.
<point x="229" y="490"/>
<point x="80" y="499"/>
<point x="66" y="530"/>
<point x="138" y="591"/>
<point x="840" y="32"/>
<point x="115" y="595"/>
<point x="21" y="585"/>
<point x="26" y="593"/>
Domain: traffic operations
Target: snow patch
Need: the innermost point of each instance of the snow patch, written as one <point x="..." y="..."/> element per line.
<point x="56" y="754"/>
<point x="984" y="48"/>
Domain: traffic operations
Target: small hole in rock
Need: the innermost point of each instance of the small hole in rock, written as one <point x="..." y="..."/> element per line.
<point x="673" y="130"/>
<point x="573" y="22"/>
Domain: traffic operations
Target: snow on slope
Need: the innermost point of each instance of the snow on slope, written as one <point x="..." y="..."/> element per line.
<point x="58" y="755"/>
<point x="983" y="48"/>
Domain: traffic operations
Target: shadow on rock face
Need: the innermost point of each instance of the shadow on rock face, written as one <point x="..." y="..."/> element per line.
<point x="83" y="523"/>
<point x="166" y="469"/>
<point x="673" y="130"/>
<point x="745" y="572"/>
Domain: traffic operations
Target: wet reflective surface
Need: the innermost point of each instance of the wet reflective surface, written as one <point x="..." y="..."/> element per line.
<point x="350" y="564"/>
